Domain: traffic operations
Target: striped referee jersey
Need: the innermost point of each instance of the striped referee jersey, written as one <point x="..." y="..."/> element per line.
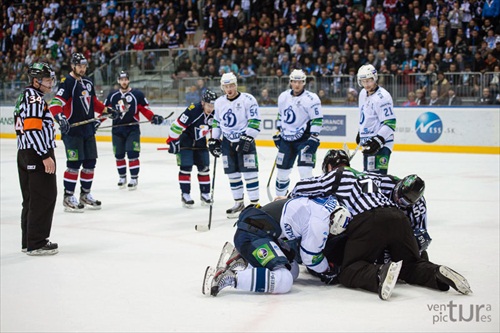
<point x="353" y="189"/>
<point x="33" y="123"/>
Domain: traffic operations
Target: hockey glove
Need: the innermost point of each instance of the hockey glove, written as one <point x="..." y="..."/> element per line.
<point x="174" y="147"/>
<point x="277" y="140"/>
<point x="63" y="123"/>
<point x="330" y="277"/>
<point x="358" y="139"/>
<point x="373" y="145"/>
<point x="214" y="146"/>
<point x="312" y="144"/>
<point x="157" y="119"/>
<point x="245" y="144"/>
<point x="111" y="113"/>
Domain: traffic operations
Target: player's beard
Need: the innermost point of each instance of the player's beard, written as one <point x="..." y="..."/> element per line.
<point x="122" y="88"/>
<point x="78" y="75"/>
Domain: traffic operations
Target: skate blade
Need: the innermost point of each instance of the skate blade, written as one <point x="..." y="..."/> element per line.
<point x="226" y="251"/>
<point x="73" y="210"/>
<point x="462" y="286"/>
<point x="207" y="280"/>
<point x="390" y="280"/>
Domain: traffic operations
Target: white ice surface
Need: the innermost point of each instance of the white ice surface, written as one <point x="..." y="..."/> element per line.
<point x="137" y="265"/>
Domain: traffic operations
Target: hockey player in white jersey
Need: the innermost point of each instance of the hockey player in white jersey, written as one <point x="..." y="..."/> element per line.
<point x="377" y="121"/>
<point x="236" y="125"/>
<point x="300" y="121"/>
<point x="261" y="261"/>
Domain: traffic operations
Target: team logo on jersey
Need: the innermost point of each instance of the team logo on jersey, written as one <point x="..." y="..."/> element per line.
<point x="201" y="132"/>
<point x="72" y="154"/>
<point x="85" y="101"/>
<point x="183" y="118"/>
<point x="229" y="118"/>
<point x="429" y="127"/>
<point x="289" y="115"/>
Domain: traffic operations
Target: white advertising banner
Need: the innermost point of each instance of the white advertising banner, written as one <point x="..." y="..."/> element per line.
<point x="457" y="129"/>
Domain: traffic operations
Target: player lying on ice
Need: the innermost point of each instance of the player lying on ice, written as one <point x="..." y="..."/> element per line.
<point x="262" y="261"/>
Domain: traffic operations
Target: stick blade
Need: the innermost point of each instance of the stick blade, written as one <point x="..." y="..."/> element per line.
<point x="200" y="227"/>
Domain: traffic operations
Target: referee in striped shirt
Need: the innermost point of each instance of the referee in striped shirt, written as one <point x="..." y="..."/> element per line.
<point x="377" y="225"/>
<point x="36" y="161"/>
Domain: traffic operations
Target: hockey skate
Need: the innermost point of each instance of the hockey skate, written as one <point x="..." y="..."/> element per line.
<point x="206" y="200"/>
<point x="235" y="211"/>
<point x="187" y="201"/>
<point x="46" y="250"/>
<point x="86" y="199"/>
<point x="71" y="204"/>
<point x="214" y="280"/>
<point x="122" y="182"/>
<point x="231" y="259"/>
<point x="388" y="276"/>
<point x="453" y="279"/>
<point x="133" y="184"/>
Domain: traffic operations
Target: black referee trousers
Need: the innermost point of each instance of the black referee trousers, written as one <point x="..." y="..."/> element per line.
<point x="39" y="191"/>
<point x="368" y="235"/>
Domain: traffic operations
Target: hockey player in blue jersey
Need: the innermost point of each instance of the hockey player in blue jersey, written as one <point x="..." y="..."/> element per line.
<point x="377" y="121"/>
<point x="300" y="121"/>
<point x="74" y="102"/>
<point x="235" y="127"/>
<point x="187" y="139"/>
<point x="261" y="260"/>
<point x="127" y="139"/>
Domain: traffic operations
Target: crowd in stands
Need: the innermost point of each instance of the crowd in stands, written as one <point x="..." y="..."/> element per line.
<point x="269" y="38"/>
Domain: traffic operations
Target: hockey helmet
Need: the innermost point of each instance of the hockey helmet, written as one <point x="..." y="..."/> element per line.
<point x="408" y="191"/>
<point x="298" y="75"/>
<point x="41" y="70"/>
<point x="335" y="158"/>
<point x="339" y="220"/>
<point x="123" y="74"/>
<point x="228" y="78"/>
<point x="209" y="96"/>
<point x="367" y="72"/>
<point x="78" y="59"/>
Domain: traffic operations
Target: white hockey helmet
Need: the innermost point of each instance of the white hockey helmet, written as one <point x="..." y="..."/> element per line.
<point x="367" y="72"/>
<point x="339" y="220"/>
<point x="298" y="75"/>
<point x="228" y="78"/>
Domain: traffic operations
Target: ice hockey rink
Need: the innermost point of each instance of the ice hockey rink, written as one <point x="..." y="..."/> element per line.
<point x="137" y="265"/>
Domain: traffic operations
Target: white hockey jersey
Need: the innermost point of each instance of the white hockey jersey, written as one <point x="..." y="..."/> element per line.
<point x="294" y="113"/>
<point x="309" y="219"/>
<point x="232" y="118"/>
<point x="377" y="116"/>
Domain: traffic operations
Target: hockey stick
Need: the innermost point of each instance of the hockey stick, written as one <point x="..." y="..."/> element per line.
<point x="182" y="148"/>
<point x="136" y="123"/>
<point x="268" y="188"/>
<point x="355" y="151"/>
<point x="88" y="121"/>
<point x="200" y="227"/>
<point x="346" y="149"/>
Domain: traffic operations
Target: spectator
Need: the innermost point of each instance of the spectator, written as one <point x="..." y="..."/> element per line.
<point x="193" y="95"/>
<point x="351" y="98"/>
<point x="323" y="97"/>
<point x="265" y="99"/>
<point x="434" y="98"/>
<point x="486" y="99"/>
<point x="411" y="100"/>
<point x="452" y="98"/>
<point x="420" y="97"/>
